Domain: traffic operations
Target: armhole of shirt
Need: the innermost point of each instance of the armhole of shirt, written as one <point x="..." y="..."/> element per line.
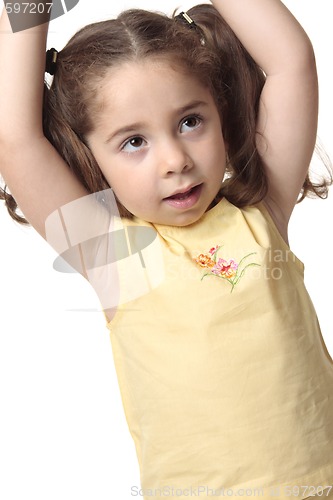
<point x="262" y="208"/>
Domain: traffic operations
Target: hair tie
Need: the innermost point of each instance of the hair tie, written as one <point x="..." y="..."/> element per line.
<point x="185" y="18"/>
<point x="51" y="61"/>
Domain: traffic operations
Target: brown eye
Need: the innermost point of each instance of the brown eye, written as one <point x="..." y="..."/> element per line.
<point x="132" y="145"/>
<point x="192" y="122"/>
<point x="136" y="142"/>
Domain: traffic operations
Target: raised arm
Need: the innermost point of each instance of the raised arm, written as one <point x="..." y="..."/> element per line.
<point x="36" y="175"/>
<point x="289" y="103"/>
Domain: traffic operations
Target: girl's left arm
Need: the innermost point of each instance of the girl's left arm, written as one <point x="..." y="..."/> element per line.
<point x="288" y="112"/>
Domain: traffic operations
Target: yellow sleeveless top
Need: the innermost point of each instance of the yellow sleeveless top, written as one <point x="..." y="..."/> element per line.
<point x="226" y="382"/>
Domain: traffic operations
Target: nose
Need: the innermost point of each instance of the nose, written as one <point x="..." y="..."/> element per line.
<point x="174" y="159"/>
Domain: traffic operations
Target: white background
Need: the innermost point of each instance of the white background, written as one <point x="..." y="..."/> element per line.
<point x="63" y="433"/>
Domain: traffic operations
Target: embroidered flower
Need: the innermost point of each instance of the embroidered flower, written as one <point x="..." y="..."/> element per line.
<point x="213" y="250"/>
<point x="228" y="270"/>
<point x="225" y="269"/>
<point x="204" y="260"/>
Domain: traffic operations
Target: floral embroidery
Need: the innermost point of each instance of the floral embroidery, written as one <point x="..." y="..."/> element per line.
<point x="204" y="261"/>
<point x="226" y="269"/>
<point x="213" y="250"/>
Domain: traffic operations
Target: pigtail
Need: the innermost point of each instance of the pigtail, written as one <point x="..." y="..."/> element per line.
<point x="61" y="117"/>
<point x="57" y="129"/>
<point x="11" y="206"/>
<point x="239" y="83"/>
<point x="319" y="189"/>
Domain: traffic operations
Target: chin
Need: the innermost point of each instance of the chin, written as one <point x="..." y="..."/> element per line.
<point x="187" y="219"/>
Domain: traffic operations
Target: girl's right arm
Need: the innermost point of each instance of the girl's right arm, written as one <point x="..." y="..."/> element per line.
<point x="37" y="177"/>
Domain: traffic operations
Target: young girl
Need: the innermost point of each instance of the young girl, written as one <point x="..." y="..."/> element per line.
<point x="204" y="126"/>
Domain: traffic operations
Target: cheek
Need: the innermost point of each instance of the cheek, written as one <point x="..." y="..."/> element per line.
<point x="119" y="184"/>
<point x="129" y="187"/>
<point x="216" y="151"/>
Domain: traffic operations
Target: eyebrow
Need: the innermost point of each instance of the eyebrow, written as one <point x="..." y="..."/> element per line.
<point x="133" y="127"/>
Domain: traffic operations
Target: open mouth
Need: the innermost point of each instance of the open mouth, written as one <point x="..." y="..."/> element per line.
<point x="182" y="196"/>
<point x="186" y="199"/>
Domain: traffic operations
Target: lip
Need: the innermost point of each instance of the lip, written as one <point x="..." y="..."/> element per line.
<point x="182" y="191"/>
<point x="191" y="197"/>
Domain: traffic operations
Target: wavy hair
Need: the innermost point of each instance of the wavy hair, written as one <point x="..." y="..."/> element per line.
<point x="210" y="53"/>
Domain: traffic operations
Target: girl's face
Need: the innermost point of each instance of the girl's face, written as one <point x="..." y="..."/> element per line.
<point x="159" y="143"/>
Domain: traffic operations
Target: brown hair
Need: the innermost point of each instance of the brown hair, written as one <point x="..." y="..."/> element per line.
<point x="211" y="53"/>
